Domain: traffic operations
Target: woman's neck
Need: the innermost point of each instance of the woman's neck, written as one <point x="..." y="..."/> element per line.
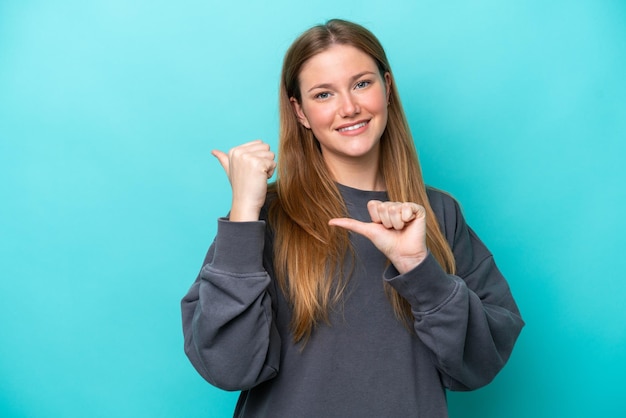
<point x="358" y="177"/>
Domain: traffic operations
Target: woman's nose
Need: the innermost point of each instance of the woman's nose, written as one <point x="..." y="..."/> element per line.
<point x="349" y="107"/>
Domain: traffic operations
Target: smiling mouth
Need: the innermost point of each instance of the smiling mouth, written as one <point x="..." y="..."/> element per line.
<point x="353" y="127"/>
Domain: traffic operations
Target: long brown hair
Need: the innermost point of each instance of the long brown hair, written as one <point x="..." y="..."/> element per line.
<point x="308" y="253"/>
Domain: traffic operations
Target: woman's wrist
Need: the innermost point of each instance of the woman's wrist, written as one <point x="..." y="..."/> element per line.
<point x="406" y="264"/>
<point x="244" y="214"/>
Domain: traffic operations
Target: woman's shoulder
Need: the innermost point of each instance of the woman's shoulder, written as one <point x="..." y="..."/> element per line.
<point x="440" y="199"/>
<point x="446" y="209"/>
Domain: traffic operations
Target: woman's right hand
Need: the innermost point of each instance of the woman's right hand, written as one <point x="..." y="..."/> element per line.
<point x="248" y="167"/>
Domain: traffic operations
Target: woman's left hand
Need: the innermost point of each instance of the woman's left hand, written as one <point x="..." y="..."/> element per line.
<point x="397" y="229"/>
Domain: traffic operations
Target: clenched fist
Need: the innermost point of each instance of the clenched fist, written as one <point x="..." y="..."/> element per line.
<point x="248" y="167"/>
<point x="398" y="230"/>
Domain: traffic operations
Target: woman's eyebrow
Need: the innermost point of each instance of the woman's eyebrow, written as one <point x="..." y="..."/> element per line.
<point x="329" y="85"/>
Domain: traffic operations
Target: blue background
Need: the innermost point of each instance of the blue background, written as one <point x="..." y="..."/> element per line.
<point x="109" y="195"/>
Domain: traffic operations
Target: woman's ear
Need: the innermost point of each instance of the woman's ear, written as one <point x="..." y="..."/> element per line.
<point x="388" y="86"/>
<point x="299" y="113"/>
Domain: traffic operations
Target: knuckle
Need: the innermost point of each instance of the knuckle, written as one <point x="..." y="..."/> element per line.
<point x="234" y="152"/>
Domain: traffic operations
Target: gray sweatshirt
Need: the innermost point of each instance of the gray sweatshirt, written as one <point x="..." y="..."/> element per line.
<point x="365" y="362"/>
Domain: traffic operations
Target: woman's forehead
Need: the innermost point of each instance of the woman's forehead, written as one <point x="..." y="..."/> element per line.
<point x="336" y="63"/>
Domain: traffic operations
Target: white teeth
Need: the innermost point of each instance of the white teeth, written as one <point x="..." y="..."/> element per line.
<point x="353" y="127"/>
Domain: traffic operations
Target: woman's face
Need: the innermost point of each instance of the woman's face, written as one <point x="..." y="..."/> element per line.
<point x="344" y="102"/>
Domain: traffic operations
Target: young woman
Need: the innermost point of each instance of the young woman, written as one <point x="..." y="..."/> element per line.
<point x="347" y="288"/>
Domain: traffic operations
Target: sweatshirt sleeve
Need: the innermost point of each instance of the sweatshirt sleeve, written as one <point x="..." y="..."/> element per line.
<point x="470" y="320"/>
<point x="228" y="325"/>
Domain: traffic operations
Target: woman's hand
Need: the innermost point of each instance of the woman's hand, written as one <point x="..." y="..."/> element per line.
<point x="397" y="229"/>
<point x="248" y="167"/>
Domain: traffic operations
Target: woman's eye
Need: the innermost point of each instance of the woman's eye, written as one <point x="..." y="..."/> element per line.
<point x="362" y="84"/>
<point x="322" y="96"/>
